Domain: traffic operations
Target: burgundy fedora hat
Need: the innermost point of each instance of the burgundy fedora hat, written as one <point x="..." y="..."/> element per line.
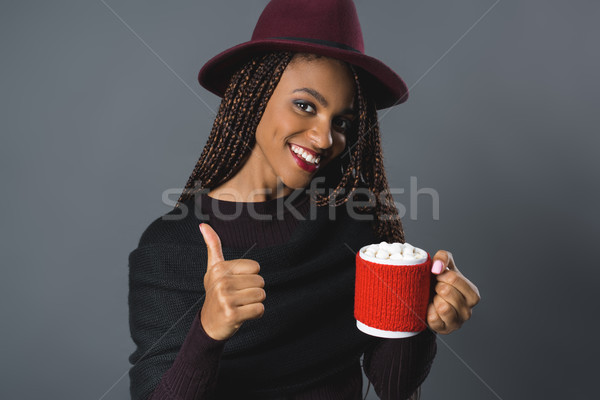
<point x="325" y="27"/>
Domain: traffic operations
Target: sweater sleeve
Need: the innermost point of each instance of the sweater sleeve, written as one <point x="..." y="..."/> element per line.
<point x="397" y="367"/>
<point x="174" y="358"/>
<point x="194" y="372"/>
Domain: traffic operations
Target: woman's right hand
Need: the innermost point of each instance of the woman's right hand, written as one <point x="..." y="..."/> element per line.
<point x="234" y="290"/>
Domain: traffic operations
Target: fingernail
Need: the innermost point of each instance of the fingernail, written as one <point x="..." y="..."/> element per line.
<point x="201" y="231"/>
<point x="437" y="267"/>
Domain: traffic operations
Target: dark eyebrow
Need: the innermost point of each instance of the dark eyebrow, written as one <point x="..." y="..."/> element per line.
<point x="314" y="94"/>
<point x="321" y="99"/>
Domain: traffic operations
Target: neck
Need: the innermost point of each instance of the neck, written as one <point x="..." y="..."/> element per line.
<point x="254" y="182"/>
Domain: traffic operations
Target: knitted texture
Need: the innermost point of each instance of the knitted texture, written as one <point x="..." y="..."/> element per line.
<point x="261" y="224"/>
<point x="392" y="297"/>
<point x="394" y="367"/>
<point x="308" y="325"/>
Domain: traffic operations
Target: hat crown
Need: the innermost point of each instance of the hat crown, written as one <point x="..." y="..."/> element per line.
<point x="334" y="21"/>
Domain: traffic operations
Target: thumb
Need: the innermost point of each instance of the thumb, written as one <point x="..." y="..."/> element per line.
<point x="213" y="244"/>
<point x="443" y="261"/>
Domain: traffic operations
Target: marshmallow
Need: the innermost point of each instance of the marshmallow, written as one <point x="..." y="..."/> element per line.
<point x="408" y="251"/>
<point x="383" y="254"/>
<point x="370" y="252"/>
<point x="394" y="253"/>
<point x="396" y="248"/>
<point x="385" y="246"/>
<point x="373" y="248"/>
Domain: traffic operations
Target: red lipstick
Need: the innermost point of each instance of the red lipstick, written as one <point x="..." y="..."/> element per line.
<point x="305" y="165"/>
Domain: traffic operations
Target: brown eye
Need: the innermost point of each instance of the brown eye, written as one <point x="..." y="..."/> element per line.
<point x="342" y="124"/>
<point x="304" y="106"/>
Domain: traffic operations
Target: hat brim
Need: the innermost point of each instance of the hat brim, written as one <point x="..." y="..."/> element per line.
<point x="381" y="82"/>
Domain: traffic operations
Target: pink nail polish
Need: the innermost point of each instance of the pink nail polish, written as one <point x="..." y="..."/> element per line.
<point x="437" y="267"/>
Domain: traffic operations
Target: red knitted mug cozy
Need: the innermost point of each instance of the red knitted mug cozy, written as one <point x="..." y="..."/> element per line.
<point x="392" y="297"/>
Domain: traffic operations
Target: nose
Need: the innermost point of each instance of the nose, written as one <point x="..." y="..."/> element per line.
<point x="320" y="135"/>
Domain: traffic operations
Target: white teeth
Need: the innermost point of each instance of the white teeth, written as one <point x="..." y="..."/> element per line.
<point x="305" y="155"/>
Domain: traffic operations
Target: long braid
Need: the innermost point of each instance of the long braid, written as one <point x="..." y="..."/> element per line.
<point x="366" y="166"/>
<point x="233" y="136"/>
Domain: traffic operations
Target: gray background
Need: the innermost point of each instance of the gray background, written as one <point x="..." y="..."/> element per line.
<point x="502" y="122"/>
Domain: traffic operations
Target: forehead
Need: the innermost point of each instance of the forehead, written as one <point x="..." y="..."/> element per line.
<point x="329" y="76"/>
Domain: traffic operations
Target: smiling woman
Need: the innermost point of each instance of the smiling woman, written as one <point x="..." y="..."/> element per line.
<point x="306" y="120"/>
<point x="262" y="308"/>
<point x="281" y="101"/>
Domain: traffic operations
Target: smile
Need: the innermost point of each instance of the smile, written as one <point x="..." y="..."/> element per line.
<point x="305" y="160"/>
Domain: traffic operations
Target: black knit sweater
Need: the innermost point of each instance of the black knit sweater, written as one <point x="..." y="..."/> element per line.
<point x="306" y="345"/>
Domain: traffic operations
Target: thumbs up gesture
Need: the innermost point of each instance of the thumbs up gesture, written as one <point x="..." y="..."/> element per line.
<point x="234" y="290"/>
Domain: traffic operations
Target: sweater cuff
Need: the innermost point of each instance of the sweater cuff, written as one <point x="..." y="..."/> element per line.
<point x="194" y="373"/>
<point x="397" y="367"/>
<point x="199" y="349"/>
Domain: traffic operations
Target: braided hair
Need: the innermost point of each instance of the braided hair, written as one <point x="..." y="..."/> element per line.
<point x="233" y="136"/>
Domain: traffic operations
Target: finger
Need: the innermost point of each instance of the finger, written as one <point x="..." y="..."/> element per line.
<point x="442" y="260"/>
<point x="434" y="320"/>
<point x="226" y="272"/>
<point x="462" y="284"/>
<point x="243" y="266"/>
<point x="220" y="276"/>
<point x="240" y="282"/>
<point x="455" y="298"/>
<point x="249" y="296"/>
<point x="447" y="313"/>
<point x="448" y="272"/>
<point x="213" y="244"/>
<point x="251" y="311"/>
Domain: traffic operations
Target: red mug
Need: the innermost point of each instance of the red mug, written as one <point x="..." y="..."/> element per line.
<point x="392" y="293"/>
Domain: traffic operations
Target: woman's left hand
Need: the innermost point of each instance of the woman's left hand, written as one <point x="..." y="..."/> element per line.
<point x="455" y="296"/>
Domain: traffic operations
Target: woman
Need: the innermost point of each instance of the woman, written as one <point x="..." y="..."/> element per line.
<point x="257" y="303"/>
